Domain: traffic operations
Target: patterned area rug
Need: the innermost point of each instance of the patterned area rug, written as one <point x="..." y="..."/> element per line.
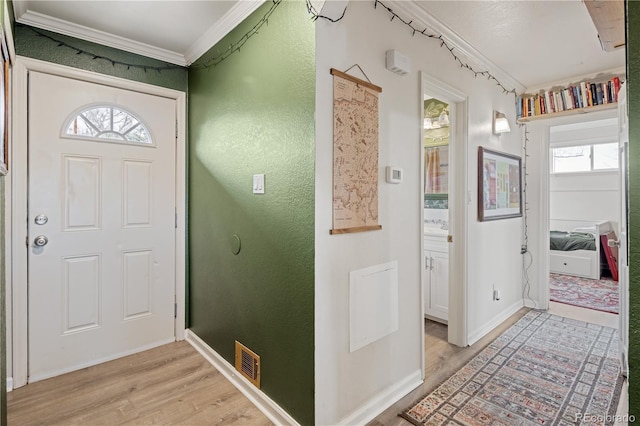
<point x="544" y="370"/>
<point x="601" y="295"/>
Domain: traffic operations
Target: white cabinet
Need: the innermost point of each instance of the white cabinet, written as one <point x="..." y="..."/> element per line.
<point x="436" y="278"/>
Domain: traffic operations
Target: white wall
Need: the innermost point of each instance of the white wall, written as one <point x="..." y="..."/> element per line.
<point x="347" y="384"/>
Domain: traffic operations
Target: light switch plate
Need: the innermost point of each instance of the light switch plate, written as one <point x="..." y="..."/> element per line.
<point x="258" y="184"/>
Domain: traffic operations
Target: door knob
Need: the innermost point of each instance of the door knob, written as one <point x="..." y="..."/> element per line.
<point x="40" y="241"/>
<point x="613" y="243"/>
<point x="41" y="219"/>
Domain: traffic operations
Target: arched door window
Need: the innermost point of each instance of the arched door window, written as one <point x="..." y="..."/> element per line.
<point x="108" y="124"/>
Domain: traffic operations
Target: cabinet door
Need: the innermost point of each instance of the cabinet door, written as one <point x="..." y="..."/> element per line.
<point x="440" y="284"/>
<point x="436" y="284"/>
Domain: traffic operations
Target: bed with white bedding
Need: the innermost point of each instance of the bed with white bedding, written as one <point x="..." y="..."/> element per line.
<point x="575" y="247"/>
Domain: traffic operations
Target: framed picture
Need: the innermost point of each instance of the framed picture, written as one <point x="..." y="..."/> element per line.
<point x="499" y="185"/>
<point x="4" y="107"/>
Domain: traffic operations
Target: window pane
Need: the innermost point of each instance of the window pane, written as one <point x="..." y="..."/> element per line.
<point x="122" y="121"/>
<point x="605" y="156"/>
<point x="79" y="127"/>
<point x="99" y="117"/>
<point x="105" y="122"/>
<point x="571" y="159"/>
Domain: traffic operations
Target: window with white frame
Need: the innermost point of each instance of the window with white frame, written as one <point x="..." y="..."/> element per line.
<point x="105" y="123"/>
<point x="584" y="158"/>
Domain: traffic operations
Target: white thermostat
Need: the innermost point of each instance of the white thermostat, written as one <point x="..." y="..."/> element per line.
<point x="394" y="174"/>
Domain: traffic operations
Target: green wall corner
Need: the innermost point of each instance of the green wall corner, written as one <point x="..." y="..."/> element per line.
<point x="28" y="43"/>
<point x="633" y="97"/>
<point x="253" y="113"/>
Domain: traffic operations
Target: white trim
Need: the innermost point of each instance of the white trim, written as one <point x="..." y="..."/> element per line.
<point x="19" y="194"/>
<point x="8" y="33"/>
<point x="463" y="48"/>
<point x="383" y="400"/>
<point x="49" y="23"/>
<point x="458" y="305"/>
<point x="269" y="408"/>
<point x="9" y="384"/>
<point x="238" y="13"/>
<point x="496" y="321"/>
<point x="586" y="190"/>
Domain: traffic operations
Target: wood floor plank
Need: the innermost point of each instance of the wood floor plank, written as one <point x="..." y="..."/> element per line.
<point x="169" y="385"/>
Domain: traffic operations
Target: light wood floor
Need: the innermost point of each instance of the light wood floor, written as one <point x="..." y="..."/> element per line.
<point x="441" y="361"/>
<point x="169" y="385"/>
<point x="175" y="385"/>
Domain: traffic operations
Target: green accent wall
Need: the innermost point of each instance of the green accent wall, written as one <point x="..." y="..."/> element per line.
<point x="30" y="44"/>
<point x="633" y="96"/>
<point x="252" y="114"/>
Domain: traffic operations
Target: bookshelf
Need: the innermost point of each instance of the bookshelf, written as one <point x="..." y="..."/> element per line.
<point x="579" y="98"/>
<point x="574" y="111"/>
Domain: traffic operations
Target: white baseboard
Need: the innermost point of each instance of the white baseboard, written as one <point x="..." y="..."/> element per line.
<point x="383" y="400"/>
<point x="273" y="411"/>
<point x="9" y="384"/>
<point x="496" y="321"/>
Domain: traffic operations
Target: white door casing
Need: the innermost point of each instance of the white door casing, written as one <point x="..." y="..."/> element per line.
<point x="136" y="258"/>
<point x="623" y="263"/>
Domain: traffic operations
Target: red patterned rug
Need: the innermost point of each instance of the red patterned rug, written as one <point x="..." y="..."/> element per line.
<point x="544" y="370"/>
<point x="601" y="295"/>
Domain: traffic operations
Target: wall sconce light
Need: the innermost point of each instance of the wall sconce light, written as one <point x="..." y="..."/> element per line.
<point x="500" y="123"/>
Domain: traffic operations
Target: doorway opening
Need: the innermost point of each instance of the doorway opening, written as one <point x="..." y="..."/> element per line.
<point x="443" y="207"/>
<point x="583" y="216"/>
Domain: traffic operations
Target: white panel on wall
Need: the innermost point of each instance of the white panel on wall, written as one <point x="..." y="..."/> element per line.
<point x="137" y="193"/>
<point x="81" y="193"/>
<point x="81" y="293"/>
<point x="137" y="283"/>
<point x="373" y="304"/>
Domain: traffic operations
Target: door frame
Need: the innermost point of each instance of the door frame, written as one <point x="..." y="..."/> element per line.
<point x="458" y="178"/>
<point x="17" y="258"/>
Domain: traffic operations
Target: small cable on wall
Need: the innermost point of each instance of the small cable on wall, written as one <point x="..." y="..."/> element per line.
<point x="527" y="257"/>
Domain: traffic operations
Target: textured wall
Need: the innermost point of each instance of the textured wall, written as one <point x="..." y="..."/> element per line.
<point x="254" y="113"/>
<point x="30" y="44"/>
<point x="633" y="92"/>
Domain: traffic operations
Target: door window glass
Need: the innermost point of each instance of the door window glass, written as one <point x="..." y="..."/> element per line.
<point x="107" y="123"/>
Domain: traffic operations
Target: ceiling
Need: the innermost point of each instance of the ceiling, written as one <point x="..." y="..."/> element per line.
<point x="528" y="43"/>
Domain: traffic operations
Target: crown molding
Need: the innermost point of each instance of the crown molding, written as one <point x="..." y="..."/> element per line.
<point x="61" y="26"/>
<point x="463" y="48"/>
<point x="238" y="13"/>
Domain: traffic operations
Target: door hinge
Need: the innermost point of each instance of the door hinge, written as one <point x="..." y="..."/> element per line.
<point x="175" y="310"/>
<point x="176" y="129"/>
<point x="26" y="241"/>
<point x="175" y="212"/>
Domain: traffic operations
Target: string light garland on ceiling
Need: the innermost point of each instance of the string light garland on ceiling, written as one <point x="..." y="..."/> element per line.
<point x="315" y="15"/>
<point x="443" y="43"/>
<point x="235" y="47"/>
<point x="95" y="57"/>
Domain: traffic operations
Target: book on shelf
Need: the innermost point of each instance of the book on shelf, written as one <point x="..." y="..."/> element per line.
<point x="581" y="95"/>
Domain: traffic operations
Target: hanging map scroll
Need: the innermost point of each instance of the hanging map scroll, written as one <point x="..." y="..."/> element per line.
<point x="355" y="154"/>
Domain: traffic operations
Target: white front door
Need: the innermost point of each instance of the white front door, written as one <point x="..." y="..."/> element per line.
<point x="623" y="264"/>
<point x="101" y="193"/>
